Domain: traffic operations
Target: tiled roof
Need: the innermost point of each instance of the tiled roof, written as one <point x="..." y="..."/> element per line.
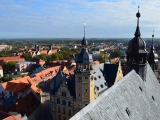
<point x="12" y="117"/>
<point x="26" y="105"/>
<point x="16" y="87"/>
<point x="14" y="58"/>
<point x="129" y="99"/>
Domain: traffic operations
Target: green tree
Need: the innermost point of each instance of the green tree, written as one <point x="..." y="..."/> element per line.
<point x="5" y="53"/>
<point x="6" y="79"/>
<point x="102" y="57"/>
<point x="54" y="57"/>
<point x="27" y="56"/>
<point x="116" y="53"/>
<point x="42" y="56"/>
<point x="9" y="66"/>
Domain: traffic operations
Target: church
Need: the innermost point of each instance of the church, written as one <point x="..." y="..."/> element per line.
<point x="102" y="92"/>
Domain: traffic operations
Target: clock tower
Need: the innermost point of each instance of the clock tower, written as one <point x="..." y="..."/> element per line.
<point x="84" y="81"/>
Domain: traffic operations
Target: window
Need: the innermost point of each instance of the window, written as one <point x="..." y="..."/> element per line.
<point x="59" y="109"/>
<point x="59" y="117"/>
<point x="64" y="111"/>
<point x="79" y="94"/>
<point x="86" y="77"/>
<point x="69" y="112"/>
<point x="62" y="93"/>
<point x="69" y="104"/>
<point x="58" y="101"/>
<point x="64" y="102"/>
<point x="86" y="90"/>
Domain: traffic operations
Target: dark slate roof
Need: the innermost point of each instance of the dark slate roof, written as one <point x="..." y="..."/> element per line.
<point x="56" y="82"/>
<point x="110" y="72"/>
<point x="71" y="86"/>
<point x="131" y="98"/>
<point x="84" y="57"/>
<point x="99" y="80"/>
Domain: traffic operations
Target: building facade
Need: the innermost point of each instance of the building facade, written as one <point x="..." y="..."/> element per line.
<point x="70" y="94"/>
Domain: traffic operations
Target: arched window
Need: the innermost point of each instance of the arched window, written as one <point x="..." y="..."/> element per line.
<point x="69" y="112"/>
<point x="69" y="104"/>
<point x="58" y="101"/>
<point x="64" y="102"/>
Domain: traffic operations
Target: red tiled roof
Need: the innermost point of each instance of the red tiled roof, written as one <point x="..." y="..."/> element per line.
<point x="13" y="58"/>
<point x="16" y="87"/>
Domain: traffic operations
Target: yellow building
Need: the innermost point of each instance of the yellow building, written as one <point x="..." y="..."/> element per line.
<point x="70" y="94"/>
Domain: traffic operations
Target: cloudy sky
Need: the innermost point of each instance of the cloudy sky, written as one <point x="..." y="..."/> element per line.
<point x="64" y="18"/>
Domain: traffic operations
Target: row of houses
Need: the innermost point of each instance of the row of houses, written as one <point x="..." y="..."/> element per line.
<point x="20" y="99"/>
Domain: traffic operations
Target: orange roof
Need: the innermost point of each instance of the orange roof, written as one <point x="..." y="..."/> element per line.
<point x="44" y="51"/>
<point x="16" y="87"/>
<point x="54" y="51"/>
<point x="12" y="117"/>
<point x="13" y="58"/>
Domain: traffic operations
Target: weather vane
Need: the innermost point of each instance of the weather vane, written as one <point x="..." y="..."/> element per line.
<point x="153" y="34"/>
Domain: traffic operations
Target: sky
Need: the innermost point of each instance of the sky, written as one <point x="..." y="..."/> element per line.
<point x="65" y="18"/>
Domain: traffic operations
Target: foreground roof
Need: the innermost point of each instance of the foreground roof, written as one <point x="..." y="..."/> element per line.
<point x="131" y="98"/>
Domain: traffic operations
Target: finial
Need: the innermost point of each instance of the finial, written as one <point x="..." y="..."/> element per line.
<point x="152" y="46"/>
<point x="137" y="33"/>
<point x="153" y="35"/>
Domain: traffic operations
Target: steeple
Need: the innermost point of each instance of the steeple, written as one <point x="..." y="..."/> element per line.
<point x="152" y="56"/>
<point x="136" y="52"/>
<point x="137" y="32"/>
<point x="84" y="57"/>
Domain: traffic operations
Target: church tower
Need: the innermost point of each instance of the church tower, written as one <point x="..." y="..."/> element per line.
<point x="136" y="52"/>
<point x="153" y="57"/>
<point x="84" y="82"/>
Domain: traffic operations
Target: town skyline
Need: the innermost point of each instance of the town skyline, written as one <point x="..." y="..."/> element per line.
<point x="61" y="19"/>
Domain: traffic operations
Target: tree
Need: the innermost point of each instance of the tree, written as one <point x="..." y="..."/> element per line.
<point x="5" y="53"/>
<point x="27" y="56"/>
<point x="102" y="57"/>
<point x="54" y="57"/>
<point x="116" y="53"/>
<point x="9" y="66"/>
